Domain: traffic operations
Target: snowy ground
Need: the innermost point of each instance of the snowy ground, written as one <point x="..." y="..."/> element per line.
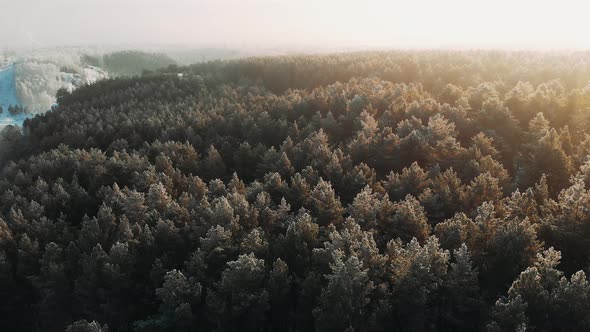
<point x="8" y="97"/>
<point x="33" y="85"/>
<point x="38" y="82"/>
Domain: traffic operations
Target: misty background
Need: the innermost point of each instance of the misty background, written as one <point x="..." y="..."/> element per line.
<point x="324" y="23"/>
<point x="46" y="46"/>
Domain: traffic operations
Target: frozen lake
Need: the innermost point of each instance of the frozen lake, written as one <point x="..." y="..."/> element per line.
<point x="8" y="97"/>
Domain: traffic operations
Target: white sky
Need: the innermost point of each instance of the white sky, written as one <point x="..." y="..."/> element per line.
<point x="354" y="23"/>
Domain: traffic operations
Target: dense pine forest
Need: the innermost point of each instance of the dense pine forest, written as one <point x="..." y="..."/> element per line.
<point x="379" y="191"/>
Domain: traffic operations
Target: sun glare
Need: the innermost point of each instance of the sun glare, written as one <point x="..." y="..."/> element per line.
<point x="455" y="23"/>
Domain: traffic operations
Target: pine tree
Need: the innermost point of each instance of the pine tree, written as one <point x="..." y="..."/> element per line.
<point x="242" y="293"/>
<point x="85" y="326"/>
<point x="408" y="221"/>
<point x="325" y="204"/>
<point x="343" y="302"/>
<point x="461" y="294"/>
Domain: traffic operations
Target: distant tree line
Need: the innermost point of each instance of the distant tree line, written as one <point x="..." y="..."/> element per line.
<point x="128" y="63"/>
<point x="394" y="191"/>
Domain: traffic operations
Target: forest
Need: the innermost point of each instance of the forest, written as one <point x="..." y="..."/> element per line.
<point x="128" y="63"/>
<point x="366" y="191"/>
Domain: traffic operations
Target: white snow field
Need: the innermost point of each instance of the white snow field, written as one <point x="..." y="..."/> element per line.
<point x="31" y="81"/>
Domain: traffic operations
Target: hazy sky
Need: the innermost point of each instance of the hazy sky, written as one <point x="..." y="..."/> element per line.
<point x="379" y="23"/>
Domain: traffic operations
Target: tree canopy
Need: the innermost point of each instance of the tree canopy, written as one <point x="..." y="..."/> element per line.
<point x="377" y="191"/>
